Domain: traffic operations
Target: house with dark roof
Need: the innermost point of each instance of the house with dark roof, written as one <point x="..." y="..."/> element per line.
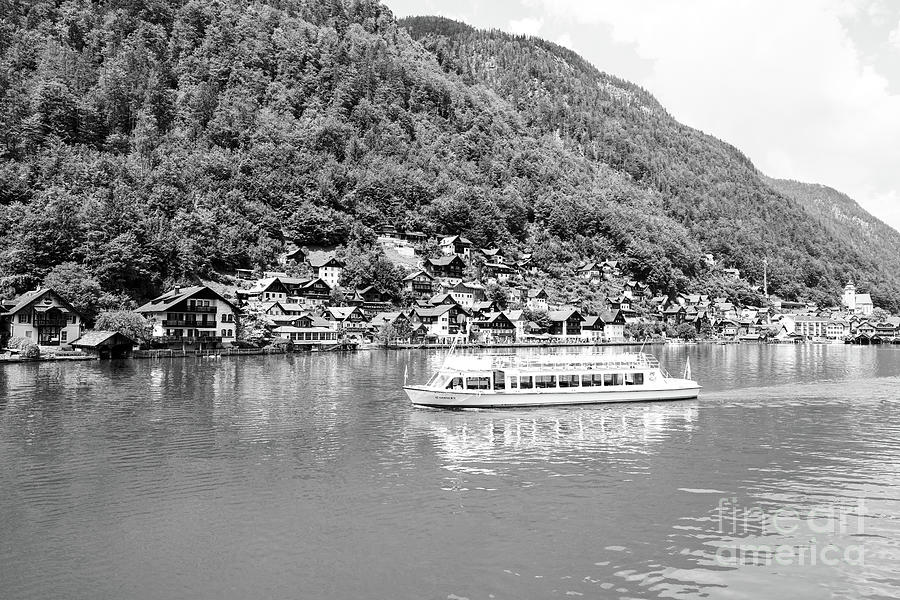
<point x="42" y="316"/>
<point x="349" y="320"/>
<point x="188" y="316"/>
<point x="419" y="283"/>
<point x="105" y="344"/>
<point x="565" y="323"/>
<point x="449" y="268"/>
<point x="537" y="300"/>
<point x="493" y="328"/>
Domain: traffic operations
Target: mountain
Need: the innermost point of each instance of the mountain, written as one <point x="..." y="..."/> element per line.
<point x="151" y="142"/>
<point x="706" y="185"/>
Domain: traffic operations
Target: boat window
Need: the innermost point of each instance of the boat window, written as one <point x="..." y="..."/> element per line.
<point x="513" y="383"/>
<point x="455" y="384"/>
<point x="478" y="383"/>
<point x="545" y="381"/>
<point x="568" y="381"/>
<point x="525" y="382"/>
<point x="597" y="379"/>
<point x="634" y="379"/>
<point x="499" y="380"/>
<point x="613" y="379"/>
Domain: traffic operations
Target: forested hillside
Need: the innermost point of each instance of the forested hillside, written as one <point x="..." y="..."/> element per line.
<point x="148" y="142"/>
<point x="706" y="185"/>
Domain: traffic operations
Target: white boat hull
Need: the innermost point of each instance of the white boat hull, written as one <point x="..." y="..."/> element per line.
<point x="671" y="389"/>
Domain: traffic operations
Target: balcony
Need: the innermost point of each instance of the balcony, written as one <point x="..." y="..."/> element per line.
<point x="191" y="324"/>
<point x="50" y="322"/>
<point x="177" y="339"/>
<point x="198" y="309"/>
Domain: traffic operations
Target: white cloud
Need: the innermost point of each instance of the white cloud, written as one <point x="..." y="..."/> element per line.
<point x="565" y="40"/>
<point x="783" y="81"/>
<point x="526" y="25"/>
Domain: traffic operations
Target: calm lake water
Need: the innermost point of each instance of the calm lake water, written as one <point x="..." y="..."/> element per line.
<point x="310" y="476"/>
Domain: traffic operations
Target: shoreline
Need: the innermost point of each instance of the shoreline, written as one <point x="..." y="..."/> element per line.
<point x="229" y="352"/>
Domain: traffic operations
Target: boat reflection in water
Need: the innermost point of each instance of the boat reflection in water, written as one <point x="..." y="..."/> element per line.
<point x="494" y="435"/>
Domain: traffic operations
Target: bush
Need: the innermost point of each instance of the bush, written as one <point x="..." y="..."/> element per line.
<point x="16" y="343"/>
<point x="281" y="344"/>
<point x="30" y="351"/>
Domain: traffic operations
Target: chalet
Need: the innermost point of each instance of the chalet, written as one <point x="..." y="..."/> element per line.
<point x="310" y="292"/>
<point x="370" y="299"/>
<point x="388" y="231"/>
<point x="491" y="255"/>
<point x="526" y="264"/>
<point x="635" y="290"/>
<point x="494" y="328"/>
<point x="389" y="318"/>
<point x="456" y="245"/>
<point x="271" y="289"/>
<point x="616" y="304"/>
<point x="192" y="315"/>
<point x="442" y="299"/>
<point x="413" y="237"/>
<point x="565" y="323"/>
<point x="674" y="315"/>
<point x="537" y="300"/>
<point x="484" y="307"/>
<point x="420" y="284"/>
<point x="443" y="321"/>
<point x="591" y="271"/>
<point x="297" y="257"/>
<point x="727" y="328"/>
<point x="308" y="330"/>
<point x="44" y="317"/>
<point x="497" y="270"/>
<point x="327" y="267"/>
<point x="449" y="268"/>
<point x="467" y="293"/>
<point x="349" y="320"/>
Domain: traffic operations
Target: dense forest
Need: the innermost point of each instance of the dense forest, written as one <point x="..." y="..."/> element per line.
<point x="144" y="143"/>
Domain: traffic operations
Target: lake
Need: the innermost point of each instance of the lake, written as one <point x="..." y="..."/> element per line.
<point x="311" y="476"/>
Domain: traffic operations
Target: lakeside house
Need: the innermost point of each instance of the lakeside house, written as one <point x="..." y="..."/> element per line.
<point x="537" y="300"/>
<point x="191" y="316"/>
<point x="443" y="322"/>
<point x="348" y="320"/>
<point x="42" y="316"/>
<point x="565" y="323"/>
<point x="308" y="330"/>
<point x="493" y="328"/>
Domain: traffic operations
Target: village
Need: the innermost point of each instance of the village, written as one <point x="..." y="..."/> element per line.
<point x="444" y="301"/>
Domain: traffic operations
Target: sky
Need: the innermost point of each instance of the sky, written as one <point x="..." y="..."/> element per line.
<point x="808" y="89"/>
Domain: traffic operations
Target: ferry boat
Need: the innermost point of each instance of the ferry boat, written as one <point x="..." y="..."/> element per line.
<point x="494" y="381"/>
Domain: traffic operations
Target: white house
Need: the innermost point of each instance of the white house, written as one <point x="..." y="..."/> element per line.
<point x="43" y="317"/>
<point x="192" y="315"/>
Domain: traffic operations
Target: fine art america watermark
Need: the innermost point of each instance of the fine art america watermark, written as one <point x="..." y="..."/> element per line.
<point x="816" y="535"/>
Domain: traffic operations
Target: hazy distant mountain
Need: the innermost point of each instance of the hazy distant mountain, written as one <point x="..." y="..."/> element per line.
<point x="147" y="142"/>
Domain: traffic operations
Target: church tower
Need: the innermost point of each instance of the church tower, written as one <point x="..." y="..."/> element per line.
<point x="849" y="299"/>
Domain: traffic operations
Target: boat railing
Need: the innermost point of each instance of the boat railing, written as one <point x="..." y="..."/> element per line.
<point x="555" y="362"/>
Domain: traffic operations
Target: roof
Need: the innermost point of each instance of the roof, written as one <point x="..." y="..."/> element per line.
<point x="320" y="259"/>
<point x="441" y="298"/>
<point x="864" y="298"/>
<point x="292" y="329"/>
<point x="386" y="317"/>
<point x="451" y="239"/>
<point x="443" y="261"/>
<point x="415" y="274"/>
<point x="493" y="316"/>
<point x="591" y="266"/>
<point x="342" y="312"/>
<point x="490" y="251"/>
<point x="538" y="293"/>
<point x="28" y="297"/>
<point x="434" y="311"/>
<point x="562" y="315"/>
<point x="173" y="297"/>
<point x="92" y="339"/>
<point x="515" y="315"/>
